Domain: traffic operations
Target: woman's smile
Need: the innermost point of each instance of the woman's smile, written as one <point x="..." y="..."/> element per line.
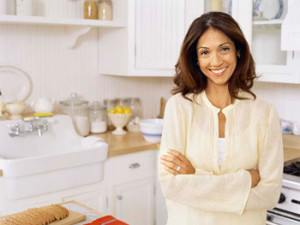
<point x="218" y="72"/>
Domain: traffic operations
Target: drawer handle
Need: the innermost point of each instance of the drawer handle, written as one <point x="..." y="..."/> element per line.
<point x="134" y="165"/>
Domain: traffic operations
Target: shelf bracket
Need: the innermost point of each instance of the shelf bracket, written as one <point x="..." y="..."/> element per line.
<point x="73" y="33"/>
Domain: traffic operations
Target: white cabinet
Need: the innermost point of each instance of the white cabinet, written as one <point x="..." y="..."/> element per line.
<point x="134" y="202"/>
<point x="150" y="44"/>
<point x="130" y="183"/>
<point x="274" y="56"/>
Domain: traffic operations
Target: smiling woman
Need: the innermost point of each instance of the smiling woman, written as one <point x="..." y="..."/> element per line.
<point x="221" y="148"/>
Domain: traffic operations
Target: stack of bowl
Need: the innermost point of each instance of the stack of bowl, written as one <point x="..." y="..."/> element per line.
<point x="152" y="129"/>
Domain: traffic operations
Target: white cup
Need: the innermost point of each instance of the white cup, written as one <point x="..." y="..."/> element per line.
<point x="296" y="128"/>
<point x="24" y="7"/>
<point x="3" y="7"/>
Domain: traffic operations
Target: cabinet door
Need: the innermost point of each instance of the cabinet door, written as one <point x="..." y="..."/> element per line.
<point x="272" y="63"/>
<point x="134" y="202"/>
<point x="159" y="33"/>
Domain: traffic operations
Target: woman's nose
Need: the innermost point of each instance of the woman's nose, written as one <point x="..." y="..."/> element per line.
<point x="216" y="60"/>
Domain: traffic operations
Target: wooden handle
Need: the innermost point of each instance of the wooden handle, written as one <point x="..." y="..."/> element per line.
<point x="1" y="173"/>
<point x="162" y="108"/>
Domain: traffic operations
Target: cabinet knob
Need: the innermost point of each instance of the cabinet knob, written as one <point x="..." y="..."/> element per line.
<point x="134" y="165"/>
<point x="119" y="197"/>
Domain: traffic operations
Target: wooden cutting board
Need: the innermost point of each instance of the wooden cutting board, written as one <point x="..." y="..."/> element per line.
<point x="74" y="217"/>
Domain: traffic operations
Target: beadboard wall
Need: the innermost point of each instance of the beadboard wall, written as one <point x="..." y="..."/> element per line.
<point x="56" y="71"/>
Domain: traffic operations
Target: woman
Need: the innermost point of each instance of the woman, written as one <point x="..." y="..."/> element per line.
<point x="221" y="149"/>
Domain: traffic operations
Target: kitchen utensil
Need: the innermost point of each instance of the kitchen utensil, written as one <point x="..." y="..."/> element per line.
<point x="152" y="129"/>
<point x="119" y="120"/>
<point x="162" y="108"/>
<point x="42" y="105"/>
<point x="15" y="84"/>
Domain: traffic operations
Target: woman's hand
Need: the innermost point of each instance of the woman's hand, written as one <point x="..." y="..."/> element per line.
<point x="176" y="163"/>
<point x="254" y="177"/>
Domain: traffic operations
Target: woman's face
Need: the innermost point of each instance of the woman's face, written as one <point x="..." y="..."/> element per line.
<point x="216" y="57"/>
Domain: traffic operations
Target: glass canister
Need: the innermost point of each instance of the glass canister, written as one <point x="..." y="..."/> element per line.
<point x="105" y="10"/>
<point x="77" y="108"/>
<point x="136" y="107"/>
<point x="90" y="9"/>
<point x="98" y="118"/>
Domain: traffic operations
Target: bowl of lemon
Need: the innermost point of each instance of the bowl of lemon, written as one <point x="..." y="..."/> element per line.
<point x="119" y="116"/>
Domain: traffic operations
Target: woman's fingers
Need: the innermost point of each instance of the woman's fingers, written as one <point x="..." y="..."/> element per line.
<point x="173" y="161"/>
<point x="171" y="171"/>
<point x="178" y="155"/>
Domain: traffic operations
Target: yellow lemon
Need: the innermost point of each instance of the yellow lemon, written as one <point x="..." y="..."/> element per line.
<point x="127" y="110"/>
<point x="113" y="111"/>
<point x="119" y="109"/>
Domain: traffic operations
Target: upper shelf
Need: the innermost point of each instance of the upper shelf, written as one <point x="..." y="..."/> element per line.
<point x="267" y="22"/>
<point x="36" y="20"/>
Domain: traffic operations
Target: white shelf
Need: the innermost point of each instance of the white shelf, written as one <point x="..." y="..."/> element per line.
<point x="36" y="20"/>
<point x="267" y="22"/>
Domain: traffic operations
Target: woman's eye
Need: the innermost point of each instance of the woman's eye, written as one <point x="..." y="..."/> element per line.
<point x="224" y="49"/>
<point x="204" y="53"/>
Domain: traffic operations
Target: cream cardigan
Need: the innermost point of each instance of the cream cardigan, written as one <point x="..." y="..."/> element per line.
<point x="222" y="195"/>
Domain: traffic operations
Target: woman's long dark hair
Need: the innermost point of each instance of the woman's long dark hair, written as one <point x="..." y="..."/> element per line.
<point x="190" y="79"/>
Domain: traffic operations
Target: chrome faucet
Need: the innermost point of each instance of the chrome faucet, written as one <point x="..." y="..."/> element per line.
<point x="15" y="130"/>
<point x="35" y="124"/>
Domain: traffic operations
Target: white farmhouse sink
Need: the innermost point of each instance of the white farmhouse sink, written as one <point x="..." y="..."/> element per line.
<point x="59" y="159"/>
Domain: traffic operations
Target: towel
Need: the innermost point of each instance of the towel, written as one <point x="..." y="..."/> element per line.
<point x="91" y="142"/>
<point x="107" y="220"/>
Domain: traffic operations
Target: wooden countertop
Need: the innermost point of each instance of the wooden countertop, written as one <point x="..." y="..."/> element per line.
<point x="291" y="145"/>
<point x="124" y="144"/>
<point x="134" y="142"/>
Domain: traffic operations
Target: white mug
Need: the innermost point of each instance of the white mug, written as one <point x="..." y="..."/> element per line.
<point x="24" y="7"/>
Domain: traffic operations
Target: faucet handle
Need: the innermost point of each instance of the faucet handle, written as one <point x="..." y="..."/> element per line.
<point x="45" y="125"/>
<point x="17" y="127"/>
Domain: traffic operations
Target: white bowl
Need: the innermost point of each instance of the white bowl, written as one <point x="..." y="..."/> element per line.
<point x="152" y="129"/>
<point x="119" y="120"/>
<point x="15" y="109"/>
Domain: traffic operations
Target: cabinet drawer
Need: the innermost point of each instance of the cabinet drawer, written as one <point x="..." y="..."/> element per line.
<point x="130" y="167"/>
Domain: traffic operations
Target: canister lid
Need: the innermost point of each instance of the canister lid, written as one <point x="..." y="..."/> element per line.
<point x="74" y="100"/>
<point x="97" y="106"/>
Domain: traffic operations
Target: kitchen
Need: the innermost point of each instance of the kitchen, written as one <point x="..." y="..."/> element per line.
<point x="98" y="62"/>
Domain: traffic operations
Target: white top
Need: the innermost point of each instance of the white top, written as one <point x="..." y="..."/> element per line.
<point x="221" y="195"/>
<point x="221" y="150"/>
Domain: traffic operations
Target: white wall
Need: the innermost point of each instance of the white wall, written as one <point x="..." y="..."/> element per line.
<point x="285" y="97"/>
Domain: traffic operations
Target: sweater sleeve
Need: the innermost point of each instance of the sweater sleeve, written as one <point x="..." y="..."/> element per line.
<point x="266" y="194"/>
<point x="218" y="193"/>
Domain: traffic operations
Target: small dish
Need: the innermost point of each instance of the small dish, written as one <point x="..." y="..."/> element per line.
<point x="270" y="9"/>
<point x="15" y="84"/>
